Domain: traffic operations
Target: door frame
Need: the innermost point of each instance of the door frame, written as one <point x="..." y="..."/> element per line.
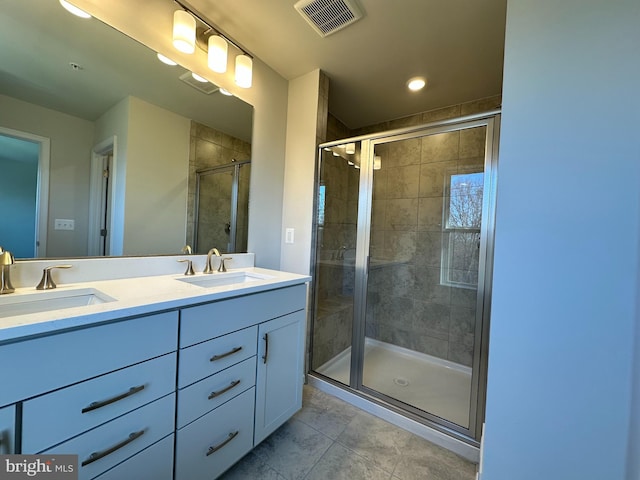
<point x="42" y="188"/>
<point x="96" y="195"/>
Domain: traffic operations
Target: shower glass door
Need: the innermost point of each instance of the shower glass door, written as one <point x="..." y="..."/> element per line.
<point x="403" y="265"/>
<point x="336" y="233"/>
<point x="424" y="268"/>
<point x="221" y="209"/>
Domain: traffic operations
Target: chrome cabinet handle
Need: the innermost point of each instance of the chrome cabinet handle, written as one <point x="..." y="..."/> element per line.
<point x="224" y="390"/>
<point x="266" y="348"/>
<point x="221" y="356"/>
<point x="103" y="403"/>
<point x="98" y="455"/>
<point x="219" y="446"/>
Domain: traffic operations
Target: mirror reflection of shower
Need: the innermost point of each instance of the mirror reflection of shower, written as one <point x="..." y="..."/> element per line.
<point x="222" y="207"/>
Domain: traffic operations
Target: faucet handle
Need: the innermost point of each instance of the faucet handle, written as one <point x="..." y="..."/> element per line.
<point x="222" y="267"/>
<point x="189" y="270"/>
<point x="46" y="282"/>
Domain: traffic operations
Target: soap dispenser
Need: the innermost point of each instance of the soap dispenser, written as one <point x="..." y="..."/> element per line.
<point x="6" y="260"/>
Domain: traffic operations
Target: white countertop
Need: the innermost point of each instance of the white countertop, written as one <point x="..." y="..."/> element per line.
<point x="132" y="296"/>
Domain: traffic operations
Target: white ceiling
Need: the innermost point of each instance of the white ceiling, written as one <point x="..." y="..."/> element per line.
<point x="457" y="45"/>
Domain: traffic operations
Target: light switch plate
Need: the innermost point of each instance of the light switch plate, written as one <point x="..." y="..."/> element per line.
<point x="288" y="235"/>
<point x="64" y="224"/>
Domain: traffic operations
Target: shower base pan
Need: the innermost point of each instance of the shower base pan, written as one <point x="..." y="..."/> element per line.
<point x="431" y="384"/>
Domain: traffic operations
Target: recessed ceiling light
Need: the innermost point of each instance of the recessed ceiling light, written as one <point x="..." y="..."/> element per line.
<point x="73" y="9"/>
<point x="166" y="60"/>
<point x="198" y="77"/>
<point x="416" y="83"/>
<point x="226" y="92"/>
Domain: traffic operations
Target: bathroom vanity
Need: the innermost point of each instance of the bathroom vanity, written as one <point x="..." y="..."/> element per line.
<point x="161" y="378"/>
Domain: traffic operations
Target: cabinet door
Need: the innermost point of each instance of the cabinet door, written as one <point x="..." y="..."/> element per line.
<point x="280" y="372"/>
<point x="7" y="429"/>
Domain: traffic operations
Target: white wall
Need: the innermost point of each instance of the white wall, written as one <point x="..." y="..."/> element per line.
<point x="157" y="171"/>
<point x="302" y="116"/>
<point x="71" y="141"/>
<point x="115" y="123"/>
<point x="567" y="237"/>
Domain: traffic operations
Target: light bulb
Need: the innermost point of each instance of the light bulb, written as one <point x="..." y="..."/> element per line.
<point x="217" y="56"/>
<point x="244" y="71"/>
<point x="184" y="31"/>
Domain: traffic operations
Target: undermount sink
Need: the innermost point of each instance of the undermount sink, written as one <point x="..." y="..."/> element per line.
<point x="224" y="279"/>
<point x="11" y="305"/>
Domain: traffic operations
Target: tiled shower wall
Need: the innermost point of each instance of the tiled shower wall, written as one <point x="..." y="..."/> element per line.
<point x="212" y="148"/>
<point x="407" y="303"/>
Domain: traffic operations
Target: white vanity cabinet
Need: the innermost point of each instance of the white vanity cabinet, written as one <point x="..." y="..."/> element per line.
<point x="240" y="366"/>
<point x="181" y="394"/>
<point x="7" y="429"/>
<point x="280" y="372"/>
<point x="105" y="392"/>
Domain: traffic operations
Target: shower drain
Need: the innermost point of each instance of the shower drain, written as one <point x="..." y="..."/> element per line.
<point x="401" y="382"/>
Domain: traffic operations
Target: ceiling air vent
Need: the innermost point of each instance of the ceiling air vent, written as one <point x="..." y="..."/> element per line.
<point x="328" y="16"/>
<point x="207" y="87"/>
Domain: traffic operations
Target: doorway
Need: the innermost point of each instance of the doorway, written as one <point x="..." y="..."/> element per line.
<point x="24" y="192"/>
<point x="404" y="226"/>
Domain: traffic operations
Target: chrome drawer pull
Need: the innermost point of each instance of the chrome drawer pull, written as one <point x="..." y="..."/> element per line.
<point x="220" y="357"/>
<point x="220" y="392"/>
<point x="103" y="403"/>
<point x="218" y="447"/>
<point x="98" y="455"/>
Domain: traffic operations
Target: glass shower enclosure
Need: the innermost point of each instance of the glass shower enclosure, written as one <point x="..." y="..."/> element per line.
<point x="403" y="254"/>
<point x="222" y="208"/>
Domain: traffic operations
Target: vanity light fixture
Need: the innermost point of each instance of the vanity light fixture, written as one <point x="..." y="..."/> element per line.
<point x="166" y="60"/>
<point x="186" y="35"/>
<point x="416" y="83"/>
<point x="217" y="55"/>
<point x="184" y="31"/>
<point x="244" y="71"/>
<point x="74" y="10"/>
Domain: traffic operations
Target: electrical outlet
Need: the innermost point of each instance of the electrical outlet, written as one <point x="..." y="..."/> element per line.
<point x="64" y="224"/>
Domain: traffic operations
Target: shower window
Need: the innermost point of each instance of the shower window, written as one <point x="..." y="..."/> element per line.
<point x="461" y="232"/>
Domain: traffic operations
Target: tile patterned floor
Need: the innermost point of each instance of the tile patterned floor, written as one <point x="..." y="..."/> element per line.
<point x="330" y="439"/>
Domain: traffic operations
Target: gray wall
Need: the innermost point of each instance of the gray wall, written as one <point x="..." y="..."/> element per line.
<point x="565" y="287"/>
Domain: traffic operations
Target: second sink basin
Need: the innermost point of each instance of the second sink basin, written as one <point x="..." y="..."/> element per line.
<point x="224" y="279"/>
<point x="11" y="305"/>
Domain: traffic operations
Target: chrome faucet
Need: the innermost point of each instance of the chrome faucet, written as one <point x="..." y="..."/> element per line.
<point x="6" y="260"/>
<point x="208" y="268"/>
<point x="46" y="282"/>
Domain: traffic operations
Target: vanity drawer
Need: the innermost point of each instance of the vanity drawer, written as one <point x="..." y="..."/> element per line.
<point x="214" y="319"/>
<point x="57" y="416"/>
<point x="213" y="391"/>
<point x="114" y="442"/>
<point x="215" y="355"/>
<point x="83" y="354"/>
<point x="153" y="463"/>
<point x="7" y="429"/>
<point x="211" y="444"/>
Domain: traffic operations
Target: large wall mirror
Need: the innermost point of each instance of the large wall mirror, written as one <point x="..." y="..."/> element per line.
<point x="119" y="147"/>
